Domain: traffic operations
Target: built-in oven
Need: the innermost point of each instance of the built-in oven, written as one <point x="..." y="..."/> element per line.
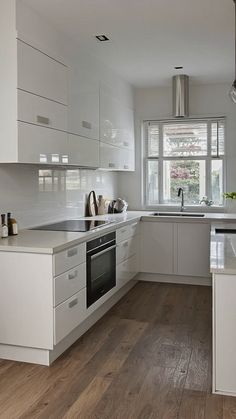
<point x="101" y="266"/>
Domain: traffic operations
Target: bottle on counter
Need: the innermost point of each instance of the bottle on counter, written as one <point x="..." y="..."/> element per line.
<point x="12" y="225"/>
<point x="101" y="205"/>
<point x="4" y="227"/>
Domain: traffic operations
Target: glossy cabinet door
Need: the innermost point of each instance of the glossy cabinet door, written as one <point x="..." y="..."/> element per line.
<point x="115" y="158"/>
<point x="40" y="74"/>
<point x="83" y="151"/>
<point x="193" y="249"/>
<point x="157" y="247"/>
<point x="83" y="111"/>
<point x="116" y="121"/>
<point x="39" y="111"/>
<point x="224" y="334"/>
<point x="37" y="144"/>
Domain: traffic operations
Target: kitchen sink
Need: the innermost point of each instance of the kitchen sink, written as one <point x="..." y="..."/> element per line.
<point x="177" y="214"/>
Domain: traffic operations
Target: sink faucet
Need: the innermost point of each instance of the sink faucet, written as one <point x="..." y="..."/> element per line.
<point x="181" y="192"/>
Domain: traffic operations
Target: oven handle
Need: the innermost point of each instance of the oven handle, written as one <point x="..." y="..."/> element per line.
<point x="103" y="251"/>
<point x="101" y="245"/>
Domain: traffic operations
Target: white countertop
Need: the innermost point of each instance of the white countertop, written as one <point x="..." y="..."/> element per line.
<point x="223" y="250"/>
<point x="49" y="242"/>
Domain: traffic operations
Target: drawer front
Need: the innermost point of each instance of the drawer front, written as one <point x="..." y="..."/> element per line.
<point x="40" y="74"/>
<point x="127" y="231"/>
<point x="37" y="110"/>
<point x="126" y="249"/>
<point x="67" y="284"/>
<point x="69" y="258"/>
<point x="68" y="315"/>
<point x="125" y="271"/>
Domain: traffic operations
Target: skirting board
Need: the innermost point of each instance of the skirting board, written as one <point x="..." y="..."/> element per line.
<point x="174" y="279"/>
<point x="46" y="357"/>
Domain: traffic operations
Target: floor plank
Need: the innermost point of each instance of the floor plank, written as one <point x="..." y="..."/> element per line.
<point x="148" y="358"/>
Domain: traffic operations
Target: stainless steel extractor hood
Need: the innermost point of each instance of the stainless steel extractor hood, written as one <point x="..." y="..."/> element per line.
<point x="180" y="96"/>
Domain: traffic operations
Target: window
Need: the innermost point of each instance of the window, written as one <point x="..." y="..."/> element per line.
<point x="187" y="154"/>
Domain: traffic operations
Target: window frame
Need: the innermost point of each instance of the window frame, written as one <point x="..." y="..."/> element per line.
<point x="208" y="158"/>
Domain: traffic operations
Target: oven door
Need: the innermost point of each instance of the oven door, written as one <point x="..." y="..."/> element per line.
<point x="101" y="272"/>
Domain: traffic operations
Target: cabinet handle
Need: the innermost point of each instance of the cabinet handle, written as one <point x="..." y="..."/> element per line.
<point x="122" y="231"/>
<point x="112" y="165"/>
<point x="73" y="303"/>
<point x="86" y="124"/>
<point x="126" y="144"/>
<point x="72" y="252"/>
<point x="43" y="120"/>
<point x="134" y="225"/>
<point x="125" y="244"/>
<point x="126" y="167"/>
<point x="73" y="276"/>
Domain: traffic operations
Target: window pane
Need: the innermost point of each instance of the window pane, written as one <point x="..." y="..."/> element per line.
<point x="217" y="181"/>
<point x="185" y="139"/>
<point x="153" y="140"/>
<point x="152" y="179"/>
<point x="217" y="132"/>
<point x="187" y="174"/>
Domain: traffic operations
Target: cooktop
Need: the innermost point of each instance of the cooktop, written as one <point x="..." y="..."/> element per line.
<point x="73" y="225"/>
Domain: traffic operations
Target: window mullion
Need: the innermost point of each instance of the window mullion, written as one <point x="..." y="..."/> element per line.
<point x="208" y="162"/>
<point x="160" y="165"/>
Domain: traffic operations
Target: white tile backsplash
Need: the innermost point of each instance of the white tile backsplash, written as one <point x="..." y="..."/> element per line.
<point x="36" y="196"/>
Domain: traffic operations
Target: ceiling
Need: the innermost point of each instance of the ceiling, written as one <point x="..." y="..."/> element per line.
<point x="149" y="37"/>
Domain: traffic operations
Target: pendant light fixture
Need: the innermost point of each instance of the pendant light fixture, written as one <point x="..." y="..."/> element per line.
<point x="232" y="92"/>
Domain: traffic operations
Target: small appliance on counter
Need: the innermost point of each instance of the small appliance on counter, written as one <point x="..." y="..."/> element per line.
<point x="117" y="205"/>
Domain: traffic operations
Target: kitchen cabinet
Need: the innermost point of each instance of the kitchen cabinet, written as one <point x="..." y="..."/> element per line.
<point x="157" y="247"/>
<point x="127" y="253"/>
<point x="224" y="334"/>
<point x="116" y="121"/>
<point x="83" y="151"/>
<point x="115" y="158"/>
<point x="40" y="74"/>
<point x="193" y="247"/>
<point x="176" y="248"/>
<point x="83" y="111"/>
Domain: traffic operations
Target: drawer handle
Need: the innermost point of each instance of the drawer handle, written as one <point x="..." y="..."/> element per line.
<point x="112" y="165"/>
<point x="72" y="252"/>
<point x="43" y="120"/>
<point x="125" y="244"/>
<point x="126" y="167"/>
<point x="122" y="231"/>
<point x="73" y="276"/>
<point x="73" y="303"/>
<point x="134" y="225"/>
<point x="125" y="143"/>
<point x="86" y="124"/>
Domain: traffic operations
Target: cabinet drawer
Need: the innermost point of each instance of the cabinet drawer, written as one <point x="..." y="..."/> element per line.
<point x="125" y="271"/>
<point x="69" y="258"/>
<point x="67" y="284"/>
<point x="37" y="110"/>
<point x="126" y="249"/>
<point x="68" y="315"/>
<point x="40" y="74"/>
<point x="126" y="232"/>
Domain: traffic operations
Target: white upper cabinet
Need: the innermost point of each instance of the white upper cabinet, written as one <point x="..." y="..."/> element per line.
<point x="83" y="112"/>
<point x="115" y="158"/>
<point x="40" y="74"/>
<point x="83" y="151"/>
<point x="116" y="121"/>
<point x="37" y="110"/>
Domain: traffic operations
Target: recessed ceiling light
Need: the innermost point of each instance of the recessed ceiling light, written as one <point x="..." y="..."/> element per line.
<point x="179" y="67"/>
<point x="102" y="38"/>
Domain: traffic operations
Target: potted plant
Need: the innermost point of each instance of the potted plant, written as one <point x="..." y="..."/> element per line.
<point x="230" y="201"/>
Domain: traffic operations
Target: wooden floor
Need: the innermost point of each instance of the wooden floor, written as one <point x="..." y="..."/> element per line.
<point x="149" y="357"/>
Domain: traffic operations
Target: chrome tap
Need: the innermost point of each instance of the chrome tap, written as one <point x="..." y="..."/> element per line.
<point x="181" y="192"/>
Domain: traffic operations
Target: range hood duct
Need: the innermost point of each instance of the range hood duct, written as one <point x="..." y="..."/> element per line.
<point x="180" y="96"/>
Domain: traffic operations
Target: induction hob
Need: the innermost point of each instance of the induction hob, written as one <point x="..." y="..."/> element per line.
<point x="73" y="225"/>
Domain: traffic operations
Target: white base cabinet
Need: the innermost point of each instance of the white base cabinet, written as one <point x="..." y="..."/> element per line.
<point x="224" y="334"/>
<point x="173" y="248"/>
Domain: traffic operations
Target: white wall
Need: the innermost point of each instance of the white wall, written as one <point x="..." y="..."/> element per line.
<point x="36" y="196"/>
<point x="205" y="100"/>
